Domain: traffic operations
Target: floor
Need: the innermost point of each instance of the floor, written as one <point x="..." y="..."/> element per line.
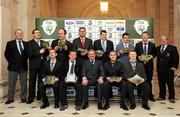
<point x="158" y="109"/>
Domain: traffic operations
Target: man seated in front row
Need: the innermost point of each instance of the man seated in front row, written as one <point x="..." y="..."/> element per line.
<point x="135" y="69"/>
<point x="72" y="77"/>
<point x="51" y="69"/>
<point x="113" y="77"/>
<point x="92" y="75"/>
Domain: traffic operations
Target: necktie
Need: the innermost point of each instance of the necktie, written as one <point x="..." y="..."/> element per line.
<point x="145" y="48"/>
<point x="133" y="63"/>
<point x="38" y="42"/>
<point x="162" y="49"/>
<point x="21" y="48"/>
<point x="103" y="46"/>
<point x="51" y="65"/>
<point x="72" y="68"/>
<point x="82" y="42"/>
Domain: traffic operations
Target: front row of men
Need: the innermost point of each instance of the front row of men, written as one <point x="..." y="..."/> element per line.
<point x="94" y="74"/>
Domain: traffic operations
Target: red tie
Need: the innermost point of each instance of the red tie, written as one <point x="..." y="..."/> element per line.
<point x="83" y="42"/>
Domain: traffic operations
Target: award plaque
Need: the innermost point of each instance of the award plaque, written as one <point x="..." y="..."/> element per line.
<point x="114" y="78"/>
<point x="49" y="80"/>
<point x="62" y="44"/>
<point x="45" y="45"/>
<point x="136" y="80"/>
<point x="71" y="78"/>
<point x="144" y="58"/>
<point x="99" y="53"/>
<point x="82" y="51"/>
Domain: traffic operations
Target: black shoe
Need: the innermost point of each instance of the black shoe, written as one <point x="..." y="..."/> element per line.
<point x="172" y="101"/>
<point x="9" y="101"/>
<point x="99" y="106"/>
<point x="132" y="107"/>
<point x="146" y="107"/>
<point x="29" y="102"/>
<point x="56" y="106"/>
<point x="160" y="99"/>
<point x="44" y="106"/>
<point x="63" y="107"/>
<point x="78" y="108"/>
<point x="152" y="99"/>
<point x="23" y="100"/>
<point x="124" y="107"/>
<point x="85" y="106"/>
<point x="106" y="106"/>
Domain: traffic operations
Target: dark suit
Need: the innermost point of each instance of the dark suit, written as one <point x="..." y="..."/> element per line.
<point x="55" y="72"/>
<point x="77" y="85"/>
<point x="77" y="44"/>
<point x="62" y="55"/>
<point x="128" y="72"/>
<point x="17" y="66"/>
<point x="115" y="69"/>
<point x="165" y="61"/>
<point x="36" y="61"/>
<point x="149" y="66"/>
<point x="109" y="47"/>
<point x="92" y="72"/>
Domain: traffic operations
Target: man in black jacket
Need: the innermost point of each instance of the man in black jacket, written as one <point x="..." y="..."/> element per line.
<point x="37" y="54"/>
<point x="16" y="55"/>
<point x="92" y="75"/>
<point x="147" y="48"/>
<point x="62" y="52"/>
<point x="167" y="63"/>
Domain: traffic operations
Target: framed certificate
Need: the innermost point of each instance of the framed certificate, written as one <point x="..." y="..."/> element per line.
<point x="71" y="78"/>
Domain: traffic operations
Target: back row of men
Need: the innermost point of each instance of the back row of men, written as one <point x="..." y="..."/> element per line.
<point x="93" y="64"/>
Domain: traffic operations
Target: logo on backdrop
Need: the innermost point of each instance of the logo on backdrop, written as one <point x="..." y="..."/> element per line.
<point x="49" y="26"/>
<point x="141" y="26"/>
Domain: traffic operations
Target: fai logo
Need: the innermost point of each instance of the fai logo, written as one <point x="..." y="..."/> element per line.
<point x="141" y="26"/>
<point x="49" y="26"/>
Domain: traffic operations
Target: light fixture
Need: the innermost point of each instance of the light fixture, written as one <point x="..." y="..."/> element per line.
<point x="104" y="6"/>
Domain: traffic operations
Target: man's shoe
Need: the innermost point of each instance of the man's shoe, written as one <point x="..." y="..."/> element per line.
<point x="99" y="106"/>
<point x="146" y="107"/>
<point x="63" y="107"/>
<point x="160" y="99"/>
<point x="132" y="107"/>
<point x="172" y="101"/>
<point x="124" y="107"/>
<point x="78" y="108"/>
<point x="152" y="99"/>
<point x="9" y="101"/>
<point x="23" y="100"/>
<point x="106" y="106"/>
<point x="29" y="102"/>
<point x="56" y="106"/>
<point x="44" y="106"/>
<point x="85" y="106"/>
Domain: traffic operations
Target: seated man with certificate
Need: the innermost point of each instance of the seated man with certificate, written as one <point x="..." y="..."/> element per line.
<point x="51" y="77"/>
<point x="135" y="75"/>
<point x="113" y="70"/>
<point x="72" y="77"/>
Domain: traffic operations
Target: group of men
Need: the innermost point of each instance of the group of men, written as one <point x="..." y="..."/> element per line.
<point x="80" y="59"/>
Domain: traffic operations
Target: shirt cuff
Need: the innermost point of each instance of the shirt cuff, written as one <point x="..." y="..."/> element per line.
<point x="84" y="78"/>
<point x="100" y="78"/>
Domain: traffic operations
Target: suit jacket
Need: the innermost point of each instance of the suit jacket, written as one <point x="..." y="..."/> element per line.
<point x="77" y="44"/>
<point x="151" y="51"/>
<point x="62" y="55"/>
<point x="78" y="69"/>
<point x="123" y="57"/>
<point x="16" y="61"/>
<point x="57" y="70"/>
<point x="168" y="59"/>
<point x="128" y="71"/>
<point x="94" y="71"/>
<point x="109" y="47"/>
<point x="115" y="69"/>
<point x="35" y="58"/>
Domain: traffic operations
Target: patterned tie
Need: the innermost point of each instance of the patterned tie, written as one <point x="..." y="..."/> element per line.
<point x="72" y="68"/>
<point x="133" y="63"/>
<point x="21" y="48"/>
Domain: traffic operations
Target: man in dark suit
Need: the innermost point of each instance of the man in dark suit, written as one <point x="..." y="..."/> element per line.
<point x="82" y="43"/>
<point x="167" y="63"/>
<point x="92" y="75"/>
<point x="114" y="68"/>
<point x="16" y="55"/>
<point x="37" y="55"/>
<point x="131" y="69"/>
<point x="147" y="48"/>
<point x="62" y="53"/>
<point x="71" y="69"/>
<point x="52" y="67"/>
<point x="105" y="45"/>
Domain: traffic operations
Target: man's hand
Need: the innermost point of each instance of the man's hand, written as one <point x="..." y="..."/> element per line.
<point x="109" y="79"/>
<point x="42" y="51"/>
<point x="56" y="48"/>
<point x="65" y="47"/>
<point x="121" y="51"/>
<point x="119" y="79"/>
<point x="173" y="68"/>
<point x="84" y="82"/>
<point x="100" y="81"/>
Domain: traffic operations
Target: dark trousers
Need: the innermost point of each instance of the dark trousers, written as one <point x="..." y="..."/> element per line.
<point x="108" y="86"/>
<point x="149" y="75"/>
<point x="163" y="79"/>
<point x="33" y="76"/>
<point x="99" y="90"/>
<point x="63" y="92"/>
<point x="42" y="89"/>
<point x="144" y="87"/>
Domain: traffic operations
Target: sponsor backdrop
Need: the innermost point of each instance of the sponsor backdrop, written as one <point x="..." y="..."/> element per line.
<point x="115" y="27"/>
